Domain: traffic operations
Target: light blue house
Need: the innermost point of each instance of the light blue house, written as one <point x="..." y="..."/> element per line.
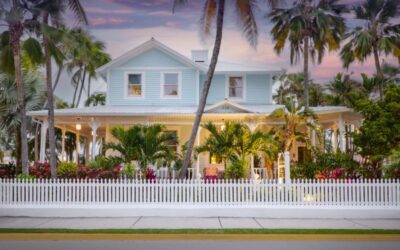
<point x="153" y="83"/>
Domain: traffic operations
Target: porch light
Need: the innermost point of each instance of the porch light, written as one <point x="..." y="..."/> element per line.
<point x="78" y="126"/>
<point x="223" y="124"/>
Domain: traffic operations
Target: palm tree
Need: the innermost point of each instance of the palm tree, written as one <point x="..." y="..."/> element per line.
<point x="296" y="120"/>
<point x="96" y="100"/>
<point x="214" y="11"/>
<point x="10" y="119"/>
<point x="291" y="85"/>
<point x="317" y="95"/>
<point x="378" y="35"/>
<point x="145" y="143"/>
<point x="343" y="91"/>
<point x="310" y="27"/>
<point x="51" y="12"/>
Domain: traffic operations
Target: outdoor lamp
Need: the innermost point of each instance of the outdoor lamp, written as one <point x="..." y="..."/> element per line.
<point x="78" y="126"/>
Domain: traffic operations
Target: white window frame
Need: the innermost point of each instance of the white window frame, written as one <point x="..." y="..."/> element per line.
<point x="162" y="84"/>
<point x="126" y="84"/>
<point x="243" y="98"/>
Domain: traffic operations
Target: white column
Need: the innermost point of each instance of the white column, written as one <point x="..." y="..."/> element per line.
<point x="342" y="135"/>
<point x="334" y="144"/>
<point x="198" y="176"/>
<point x="77" y="142"/>
<point x="63" y="156"/>
<point x="94" y="125"/>
<point x="43" y="135"/>
<point x="287" y="167"/>
<point x="87" y="149"/>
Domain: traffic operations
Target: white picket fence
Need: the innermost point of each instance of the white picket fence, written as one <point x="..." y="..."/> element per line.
<point x="200" y="193"/>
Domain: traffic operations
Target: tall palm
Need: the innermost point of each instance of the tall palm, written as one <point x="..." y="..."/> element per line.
<point x="291" y="85"/>
<point x="377" y="35"/>
<point x="96" y="100"/>
<point x="317" y="95"/>
<point x="297" y="122"/>
<point x="214" y="11"/>
<point x="50" y="13"/>
<point x="343" y="91"/>
<point x="310" y="26"/>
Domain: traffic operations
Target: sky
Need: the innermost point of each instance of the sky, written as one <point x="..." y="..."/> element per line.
<point x="125" y="24"/>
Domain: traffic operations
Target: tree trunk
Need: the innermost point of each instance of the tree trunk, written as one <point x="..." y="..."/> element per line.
<point x="18" y="145"/>
<point x="77" y="86"/>
<point x="379" y="72"/>
<point x="60" y="69"/>
<point x="81" y="90"/>
<point x="88" y="87"/>
<point x="206" y="88"/>
<point x="16" y="30"/>
<point x="306" y="50"/>
<point x="50" y="102"/>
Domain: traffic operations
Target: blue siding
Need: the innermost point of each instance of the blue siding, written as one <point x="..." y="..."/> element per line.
<point x="153" y="58"/>
<point x="258" y="89"/>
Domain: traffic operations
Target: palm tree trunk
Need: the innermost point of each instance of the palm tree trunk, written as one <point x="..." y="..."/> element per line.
<point x="60" y="69"/>
<point x="50" y="102"/>
<point x="206" y="88"/>
<point x="16" y="30"/>
<point x="81" y="90"/>
<point x="77" y="86"/>
<point x="306" y="50"/>
<point x="379" y="72"/>
<point x="18" y="145"/>
<point x="88" y="88"/>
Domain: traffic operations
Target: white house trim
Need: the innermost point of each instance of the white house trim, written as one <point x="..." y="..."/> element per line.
<point x="162" y="83"/>
<point x="152" y="43"/>
<point x="227" y="103"/>
<point x="143" y="85"/>
<point x="236" y="99"/>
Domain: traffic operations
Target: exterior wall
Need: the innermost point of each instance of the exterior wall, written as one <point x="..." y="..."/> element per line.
<point x="152" y="64"/>
<point x="258" y="89"/>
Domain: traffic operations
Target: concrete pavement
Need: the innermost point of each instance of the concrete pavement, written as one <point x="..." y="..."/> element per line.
<point x="196" y="223"/>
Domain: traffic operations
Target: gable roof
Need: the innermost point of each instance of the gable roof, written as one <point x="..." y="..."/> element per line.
<point x="150" y="44"/>
<point x="226" y="106"/>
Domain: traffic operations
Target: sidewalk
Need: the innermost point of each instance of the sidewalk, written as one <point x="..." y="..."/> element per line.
<point x="196" y="223"/>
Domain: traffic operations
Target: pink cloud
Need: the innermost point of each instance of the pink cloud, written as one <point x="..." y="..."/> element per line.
<point x="160" y="13"/>
<point x="171" y="24"/>
<point x="105" y="20"/>
<point x="97" y="10"/>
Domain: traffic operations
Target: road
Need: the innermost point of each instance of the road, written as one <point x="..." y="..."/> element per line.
<point x="196" y="245"/>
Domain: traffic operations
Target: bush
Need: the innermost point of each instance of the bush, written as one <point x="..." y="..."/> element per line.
<point x="25" y="177"/>
<point x="237" y="170"/>
<point x="67" y="169"/>
<point x="104" y="163"/>
<point x="128" y="171"/>
<point x="327" y="165"/>
<point x="7" y="170"/>
<point x="40" y="170"/>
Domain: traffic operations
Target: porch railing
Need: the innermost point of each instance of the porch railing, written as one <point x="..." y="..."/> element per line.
<point x="219" y="193"/>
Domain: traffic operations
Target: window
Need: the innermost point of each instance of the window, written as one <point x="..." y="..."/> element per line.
<point x="170" y="85"/>
<point x="135" y="82"/>
<point x="236" y="87"/>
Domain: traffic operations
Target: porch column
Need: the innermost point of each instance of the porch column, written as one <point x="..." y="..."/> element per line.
<point x="335" y="134"/>
<point x="43" y="135"/>
<point x="63" y="156"/>
<point x="342" y="132"/>
<point x="87" y="149"/>
<point x="94" y="126"/>
<point x="77" y="143"/>
<point x="198" y="156"/>
<point x="313" y="138"/>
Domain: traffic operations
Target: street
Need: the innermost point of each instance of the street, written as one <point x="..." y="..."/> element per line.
<point x="196" y="245"/>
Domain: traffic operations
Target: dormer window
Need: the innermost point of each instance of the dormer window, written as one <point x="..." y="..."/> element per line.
<point x="135" y="84"/>
<point x="170" y="85"/>
<point x="236" y="87"/>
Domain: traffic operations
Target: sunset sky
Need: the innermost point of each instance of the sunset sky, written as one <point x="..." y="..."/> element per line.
<point x="124" y="24"/>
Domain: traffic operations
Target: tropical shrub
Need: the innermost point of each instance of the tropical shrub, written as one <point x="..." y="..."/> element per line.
<point x="128" y="171"/>
<point x="40" y="170"/>
<point x="7" y="170"/>
<point x="67" y="169"/>
<point x="25" y="177"/>
<point x="150" y="174"/>
<point x="327" y="165"/>
<point x="238" y="169"/>
<point x="104" y="163"/>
